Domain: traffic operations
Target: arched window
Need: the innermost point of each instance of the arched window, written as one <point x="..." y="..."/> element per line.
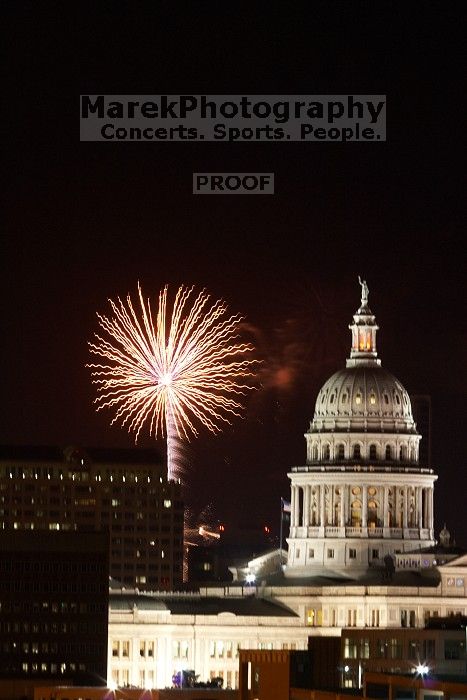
<point x="372" y="516"/>
<point x="388" y="452"/>
<point x="341" y="451"/>
<point x="373" y="452"/>
<point x="356" y="513"/>
<point x="326" y="452"/>
<point x="314" y="452"/>
<point x="356" y="451"/>
<point x="402" y="453"/>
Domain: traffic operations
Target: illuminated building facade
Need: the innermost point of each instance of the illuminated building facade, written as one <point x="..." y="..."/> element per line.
<point x="362" y="494"/>
<point x="122" y="492"/>
<point x="153" y="636"/>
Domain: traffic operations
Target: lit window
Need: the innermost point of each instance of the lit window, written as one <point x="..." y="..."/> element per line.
<point x="350" y="648"/>
<point x="167" y="503"/>
<point x="358" y="399"/>
<point x="364" y="648"/>
<point x="373" y="399"/>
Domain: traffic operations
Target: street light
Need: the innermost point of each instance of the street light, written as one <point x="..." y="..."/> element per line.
<point x="422" y="669"/>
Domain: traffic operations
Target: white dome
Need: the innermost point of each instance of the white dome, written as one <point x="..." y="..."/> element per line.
<point x="368" y="393"/>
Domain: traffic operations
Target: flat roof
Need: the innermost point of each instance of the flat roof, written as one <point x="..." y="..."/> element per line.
<point x="248" y="606"/>
<point x="62" y="454"/>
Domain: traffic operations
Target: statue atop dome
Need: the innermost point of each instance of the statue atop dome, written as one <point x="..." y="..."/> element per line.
<point x="365" y="291"/>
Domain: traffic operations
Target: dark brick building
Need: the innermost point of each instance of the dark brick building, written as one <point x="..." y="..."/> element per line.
<point x="54" y="596"/>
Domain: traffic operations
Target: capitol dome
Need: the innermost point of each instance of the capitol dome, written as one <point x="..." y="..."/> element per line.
<point x="367" y="394"/>
<point x="362" y="494"/>
<point x="363" y="412"/>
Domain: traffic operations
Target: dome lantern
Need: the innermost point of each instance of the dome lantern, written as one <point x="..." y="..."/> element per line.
<point x="363" y="351"/>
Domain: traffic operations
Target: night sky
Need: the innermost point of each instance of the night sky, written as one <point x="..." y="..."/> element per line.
<point x="85" y="221"/>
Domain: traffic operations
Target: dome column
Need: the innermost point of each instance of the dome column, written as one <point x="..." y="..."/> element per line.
<point x="430" y="511"/>
<point x="405" y="523"/>
<point x="306" y="507"/>
<point x="419" y="508"/>
<point x="296" y="509"/>
<point x="386" y="511"/>
<point x="364" y="508"/>
<point x="322" y="520"/>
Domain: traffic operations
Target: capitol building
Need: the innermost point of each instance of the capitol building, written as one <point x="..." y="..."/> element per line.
<point x="362" y="551"/>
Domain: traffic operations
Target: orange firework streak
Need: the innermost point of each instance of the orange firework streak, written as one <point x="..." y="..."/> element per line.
<point x="167" y="375"/>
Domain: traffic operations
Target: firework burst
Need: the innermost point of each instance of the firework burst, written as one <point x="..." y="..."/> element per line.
<point x="188" y="367"/>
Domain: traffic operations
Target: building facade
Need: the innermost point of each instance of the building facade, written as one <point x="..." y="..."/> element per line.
<point x="362" y="494"/>
<point x="151" y="637"/>
<point x="395" y="650"/>
<point x="122" y="492"/>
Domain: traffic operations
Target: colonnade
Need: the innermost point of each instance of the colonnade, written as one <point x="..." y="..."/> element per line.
<point x="362" y="505"/>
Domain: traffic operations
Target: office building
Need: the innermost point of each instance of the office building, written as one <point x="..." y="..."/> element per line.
<point x="123" y="492"/>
